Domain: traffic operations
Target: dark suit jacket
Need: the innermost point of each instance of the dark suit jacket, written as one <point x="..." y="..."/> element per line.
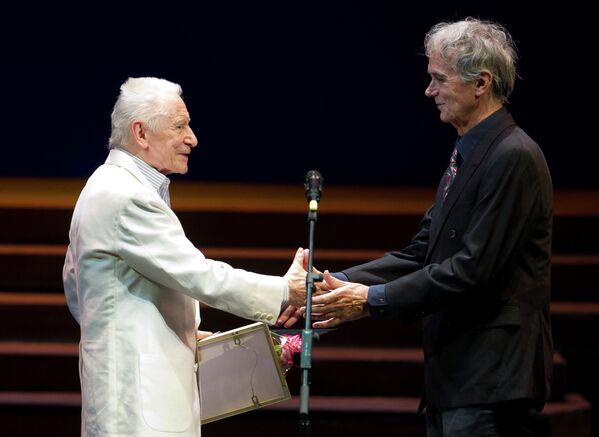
<point x="477" y="272"/>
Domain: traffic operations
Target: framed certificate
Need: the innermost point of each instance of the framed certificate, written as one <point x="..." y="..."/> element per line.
<point x="239" y="371"/>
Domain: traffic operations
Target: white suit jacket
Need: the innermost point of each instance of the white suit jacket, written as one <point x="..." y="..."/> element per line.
<point x="133" y="281"/>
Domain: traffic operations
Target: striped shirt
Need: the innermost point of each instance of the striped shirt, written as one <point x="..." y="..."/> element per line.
<point x="158" y="181"/>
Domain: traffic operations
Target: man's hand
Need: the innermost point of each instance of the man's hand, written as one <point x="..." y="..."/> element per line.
<point x="289" y="316"/>
<point x="200" y="335"/>
<point x="347" y="301"/>
<point x="296" y="279"/>
<point x="296" y="282"/>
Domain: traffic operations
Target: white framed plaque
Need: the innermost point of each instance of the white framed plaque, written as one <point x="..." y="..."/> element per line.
<point x="239" y="371"/>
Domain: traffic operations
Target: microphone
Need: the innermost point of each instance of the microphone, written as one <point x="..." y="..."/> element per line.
<point x="313" y="186"/>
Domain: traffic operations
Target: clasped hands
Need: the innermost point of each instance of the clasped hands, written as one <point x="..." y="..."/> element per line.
<point x="333" y="301"/>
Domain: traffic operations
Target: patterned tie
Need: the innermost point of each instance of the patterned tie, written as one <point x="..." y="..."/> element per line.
<point x="450" y="172"/>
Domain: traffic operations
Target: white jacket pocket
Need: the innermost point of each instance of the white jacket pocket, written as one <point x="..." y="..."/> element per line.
<point x="166" y="392"/>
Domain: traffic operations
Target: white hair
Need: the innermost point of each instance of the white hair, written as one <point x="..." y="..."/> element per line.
<point x="145" y="99"/>
<point x="472" y="46"/>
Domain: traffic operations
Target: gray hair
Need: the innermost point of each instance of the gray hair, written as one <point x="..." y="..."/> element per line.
<point x="141" y="98"/>
<point x="472" y="46"/>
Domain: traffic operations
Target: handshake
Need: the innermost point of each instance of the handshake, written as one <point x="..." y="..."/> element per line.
<point x="333" y="301"/>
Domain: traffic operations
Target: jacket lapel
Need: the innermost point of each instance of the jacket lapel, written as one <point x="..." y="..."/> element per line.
<point x="121" y="159"/>
<point x="463" y="176"/>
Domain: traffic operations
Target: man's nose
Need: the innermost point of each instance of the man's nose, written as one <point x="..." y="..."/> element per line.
<point x="429" y="91"/>
<point x="191" y="139"/>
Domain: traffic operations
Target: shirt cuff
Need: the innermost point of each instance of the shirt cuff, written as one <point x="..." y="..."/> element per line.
<point x="377" y="300"/>
<point x="340" y="275"/>
<point x="285" y="295"/>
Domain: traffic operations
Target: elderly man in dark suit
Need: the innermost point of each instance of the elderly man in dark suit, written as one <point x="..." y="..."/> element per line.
<point x="477" y="271"/>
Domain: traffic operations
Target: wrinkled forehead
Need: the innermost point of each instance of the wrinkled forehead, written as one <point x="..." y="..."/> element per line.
<point x="437" y="63"/>
<point x="174" y="110"/>
<point x="180" y="109"/>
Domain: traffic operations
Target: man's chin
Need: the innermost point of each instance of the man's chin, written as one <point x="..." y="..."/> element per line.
<point x="443" y="118"/>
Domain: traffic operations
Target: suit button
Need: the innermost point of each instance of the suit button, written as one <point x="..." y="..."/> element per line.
<point x="269" y="317"/>
<point x="452" y="233"/>
<point x="257" y="315"/>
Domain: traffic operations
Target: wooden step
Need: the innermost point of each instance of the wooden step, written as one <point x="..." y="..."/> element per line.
<point x="203" y="196"/>
<point x="45" y="366"/>
<point x="24" y="414"/>
<point x="574" y="325"/>
<point x="329" y="416"/>
<point x="36" y="317"/>
<point x="575" y="234"/>
<point x="280" y="229"/>
<point x="35" y="225"/>
<point x="258" y="227"/>
<point x="578" y="343"/>
<point x="36" y="267"/>
<point x="27" y="414"/>
<point x="572" y="321"/>
<point x="572" y="277"/>
<point x="39" y="211"/>
<point x="31" y="366"/>
<point x="382" y="372"/>
<point x="55" y="323"/>
<point x="571" y="417"/>
<point x="39" y="366"/>
<point x="346" y="416"/>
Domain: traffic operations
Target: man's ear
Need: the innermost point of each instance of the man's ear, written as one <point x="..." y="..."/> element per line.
<point x="139" y="134"/>
<point x="483" y="83"/>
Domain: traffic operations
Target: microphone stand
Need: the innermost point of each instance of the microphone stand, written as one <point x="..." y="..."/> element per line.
<point x="307" y="333"/>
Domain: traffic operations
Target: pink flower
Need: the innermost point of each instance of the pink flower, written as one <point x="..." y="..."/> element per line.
<point x="286" y="347"/>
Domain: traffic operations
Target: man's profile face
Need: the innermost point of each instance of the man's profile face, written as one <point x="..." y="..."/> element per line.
<point x="171" y="143"/>
<point x="455" y="99"/>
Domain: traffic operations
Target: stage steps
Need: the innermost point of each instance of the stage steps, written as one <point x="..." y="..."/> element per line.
<point x="28" y="414"/>
<point x="258" y="227"/>
<point x="51" y="366"/>
<point x="38" y="267"/>
<point x="389" y="371"/>
<point x="44" y="316"/>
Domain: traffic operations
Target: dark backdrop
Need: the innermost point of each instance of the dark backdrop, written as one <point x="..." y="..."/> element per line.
<point x="278" y="88"/>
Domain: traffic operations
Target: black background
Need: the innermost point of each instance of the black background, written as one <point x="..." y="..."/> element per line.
<point x="278" y="88"/>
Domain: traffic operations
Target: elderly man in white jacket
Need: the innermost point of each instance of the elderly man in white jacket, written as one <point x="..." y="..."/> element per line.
<point x="133" y="281"/>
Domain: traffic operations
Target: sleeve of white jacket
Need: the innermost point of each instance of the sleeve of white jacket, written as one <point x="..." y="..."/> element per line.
<point x="70" y="284"/>
<point x="151" y="240"/>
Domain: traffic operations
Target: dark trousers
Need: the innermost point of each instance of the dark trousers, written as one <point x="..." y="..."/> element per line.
<point x="504" y="419"/>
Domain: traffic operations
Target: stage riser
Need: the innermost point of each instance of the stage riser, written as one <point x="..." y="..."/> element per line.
<point x="55" y="323"/>
<point x="27" y="420"/>
<point x="341" y="373"/>
<point x="260" y="232"/>
<point x="242" y="229"/>
<point x="43" y="272"/>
